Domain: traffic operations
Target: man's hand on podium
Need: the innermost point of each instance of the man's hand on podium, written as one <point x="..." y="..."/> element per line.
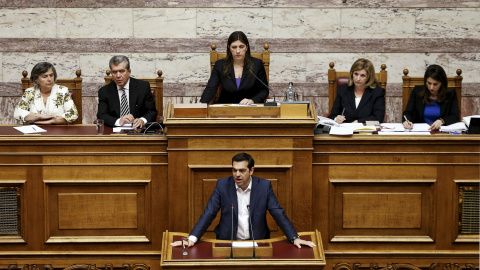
<point x="179" y="243"/>
<point x="299" y="242"/>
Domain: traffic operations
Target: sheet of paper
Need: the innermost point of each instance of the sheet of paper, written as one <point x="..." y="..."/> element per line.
<point x="126" y="125"/>
<point x="352" y="125"/>
<point x="119" y="129"/>
<point x="30" y="129"/>
<point x="244" y="244"/>
<point x="420" y="127"/>
<point x="466" y="119"/>
<point x="460" y="126"/>
<point x="406" y="133"/>
<point x="341" y="130"/>
<point x="398" y="127"/>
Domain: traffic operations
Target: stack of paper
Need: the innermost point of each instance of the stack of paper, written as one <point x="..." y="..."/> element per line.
<point x="466" y="119"/>
<point x="460" y="126"/>
<point x="30" y="129"/>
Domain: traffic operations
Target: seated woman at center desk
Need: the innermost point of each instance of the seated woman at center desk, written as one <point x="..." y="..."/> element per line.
<point x="236" y="75"/>
<point x="361" y="99"/>
<point x="432" y="103"/>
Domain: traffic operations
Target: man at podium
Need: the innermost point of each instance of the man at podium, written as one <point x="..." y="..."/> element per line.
<point x="241" y="198"/>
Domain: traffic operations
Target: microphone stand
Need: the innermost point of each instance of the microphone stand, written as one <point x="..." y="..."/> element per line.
<point x="231" y="243"/>
<point x="251" y="229"/>
<point x="267" y="104"/>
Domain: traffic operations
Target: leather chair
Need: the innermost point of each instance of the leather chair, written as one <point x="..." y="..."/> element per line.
<point x="74" y="86"/>
<point x="337" y="78"/>
<point x="410" y="82"/>
<point x="156" y="85"/>
<point x="215" y="56"/>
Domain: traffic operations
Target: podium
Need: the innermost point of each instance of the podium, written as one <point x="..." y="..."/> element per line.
<point x="284" y="255"/>
<point x="201" y="147"/>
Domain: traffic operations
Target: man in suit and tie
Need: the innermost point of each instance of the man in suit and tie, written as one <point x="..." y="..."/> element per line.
<point x="250" y="197"/>
<point x="125" y="100"/>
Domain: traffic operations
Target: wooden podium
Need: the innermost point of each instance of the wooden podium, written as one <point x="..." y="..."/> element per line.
<point x="200" y="151"/>
<point x="284" y="255"/>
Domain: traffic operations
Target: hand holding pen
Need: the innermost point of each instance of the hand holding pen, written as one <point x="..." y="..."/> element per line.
<point x="407" y="124"/>
<point x="340" y="118"/>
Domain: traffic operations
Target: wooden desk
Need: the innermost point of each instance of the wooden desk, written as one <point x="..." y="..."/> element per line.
<point x="285" y="254"/>
<point x="84" y="198"/>
<point x="386" y="199"/>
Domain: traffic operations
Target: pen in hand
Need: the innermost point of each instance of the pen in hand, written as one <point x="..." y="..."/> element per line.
<point x="343" y="111"/>
<point x="408" y="122"/>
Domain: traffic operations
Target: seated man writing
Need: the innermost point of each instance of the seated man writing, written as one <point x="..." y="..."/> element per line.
<point x="249" y="195"/>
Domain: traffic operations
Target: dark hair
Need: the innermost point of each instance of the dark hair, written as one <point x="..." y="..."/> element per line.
<point x="360" y="64"/>
<point x="244" y="157"/>
<point x="117" y="59"/>
<point x="437" y="73"/>
<point x="41" y="68"/>
<point x="227" y="66"/>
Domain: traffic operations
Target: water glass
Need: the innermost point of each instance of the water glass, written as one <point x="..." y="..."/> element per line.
<point x="100" y="125"/>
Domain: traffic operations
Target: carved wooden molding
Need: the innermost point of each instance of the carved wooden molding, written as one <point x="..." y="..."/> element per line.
<point x="402" y="266"/>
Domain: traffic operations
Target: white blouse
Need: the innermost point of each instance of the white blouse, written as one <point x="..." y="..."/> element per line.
<point x="59" y="103"/>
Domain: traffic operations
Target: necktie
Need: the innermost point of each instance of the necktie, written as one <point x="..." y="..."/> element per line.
<point x="124" y="110"/>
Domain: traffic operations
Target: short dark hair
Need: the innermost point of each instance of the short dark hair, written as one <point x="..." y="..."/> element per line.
<point x="244" y="157"/>
<point x="117" y="59"/>
<point x="41" y="68"/>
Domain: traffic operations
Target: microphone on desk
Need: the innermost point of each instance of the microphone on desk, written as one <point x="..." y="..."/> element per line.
<point x="151" y="124"/>
<point x="231" y="242"/>
<point x="268" y="104"/>
<point x="251" y="230"/>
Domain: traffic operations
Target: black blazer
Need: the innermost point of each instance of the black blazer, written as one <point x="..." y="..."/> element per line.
<point x="141" y="100"/>
<point x="449" y="111"/>
<point x="262" y="198"/>
<point x="249" y="88"/>
<point x="371" y="107"/>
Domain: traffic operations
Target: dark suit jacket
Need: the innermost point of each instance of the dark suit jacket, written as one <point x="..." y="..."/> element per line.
<point x="371" y="107"/>
<point x="249" y="88"/>
<point x="262" y="198"/>
<point x="141" y="100"/>
<point x="415" y="108"/>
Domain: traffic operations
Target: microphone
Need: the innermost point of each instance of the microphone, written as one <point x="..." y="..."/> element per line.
<point x="251" y="230"/>
<point x="268" y="104"/>
<point x="231" y="242"/>
<point x="150" y="124"/>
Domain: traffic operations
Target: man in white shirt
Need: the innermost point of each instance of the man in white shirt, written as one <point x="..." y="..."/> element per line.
<point x="248" y="196"/>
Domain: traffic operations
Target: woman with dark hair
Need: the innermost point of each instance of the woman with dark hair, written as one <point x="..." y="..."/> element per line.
<point x="46" y="103"/>
<point x="236" y="75"/>
<point x="432" y="103"/>
<point x="361" y="99"/>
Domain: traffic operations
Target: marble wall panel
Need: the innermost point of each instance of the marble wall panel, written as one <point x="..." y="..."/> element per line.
<point x="18" y="44"/>
<point x="94" y="23"/>
<point x="184" y="67"/>
<point x="28" y="23"/>
<point x="254" y="22"/>
<point x="287" y="67"/>
<point x="90" y="108"/>
<point x="143" y="65"/>
<point x="469" y="63"/>
<point x="164" y="22"/>
<point x="317" y="65"/>
<point x="94" y="65"/>
<point x="7" y="107"/>
<point x="301" y="23"/>
<point x="454" y="23"/>
<point x="13" y="64"/>
<point x="1" y="67"/>
<point x="378" y="23"/>
<point x="416" y="63"/>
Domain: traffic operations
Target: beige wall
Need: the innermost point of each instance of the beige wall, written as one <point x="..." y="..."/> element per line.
<point x="175" y="37"/>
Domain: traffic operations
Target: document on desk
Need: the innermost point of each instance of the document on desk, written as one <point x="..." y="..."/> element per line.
<point x="244" y="244"/>
<point x="30" y="129"/>
<point x="420" y="127"/>
<point x="459" y="126"/>
<point x="403" y="133"/>
<point x="341" y="130"/>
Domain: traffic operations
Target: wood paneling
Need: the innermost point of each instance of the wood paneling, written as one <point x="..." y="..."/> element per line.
<point x="97" y="211"/>
<point x="381" y="210"/>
